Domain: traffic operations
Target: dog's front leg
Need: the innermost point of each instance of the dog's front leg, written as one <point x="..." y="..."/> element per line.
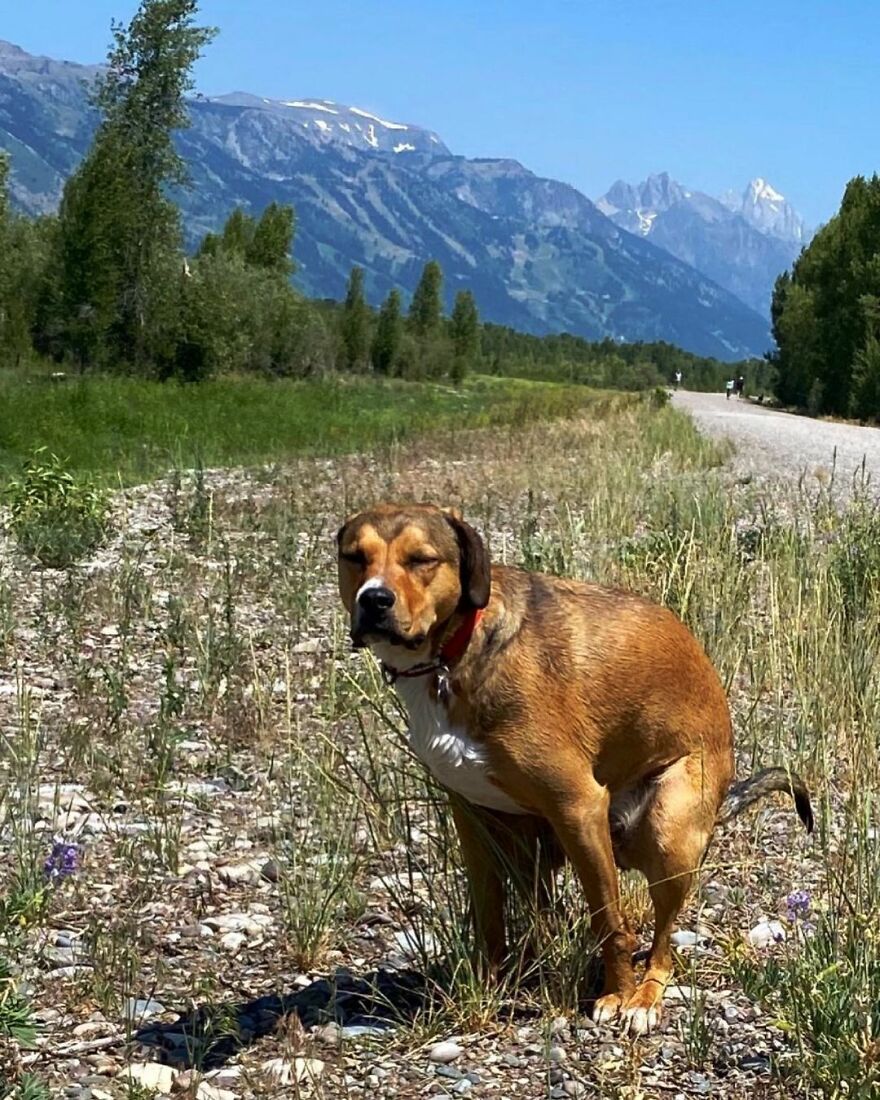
<point x="580" y="819"/>
<point x="486" y="886"/>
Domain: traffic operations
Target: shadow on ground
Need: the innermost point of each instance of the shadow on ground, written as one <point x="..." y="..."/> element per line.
<point x="210" y="1035"/>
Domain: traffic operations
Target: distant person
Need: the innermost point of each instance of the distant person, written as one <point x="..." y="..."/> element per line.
<point x="677" y="379"/>
<point x="729" y="387"/>
<point x="740" y="386"/>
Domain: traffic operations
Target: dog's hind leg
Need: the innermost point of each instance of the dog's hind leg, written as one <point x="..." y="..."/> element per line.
<point x="667" y="845"/>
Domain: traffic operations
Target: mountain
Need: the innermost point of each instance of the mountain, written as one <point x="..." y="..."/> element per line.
<point x="768" y="211"/>
<point x="743" y="241"/>
<point x="387" y="195"/>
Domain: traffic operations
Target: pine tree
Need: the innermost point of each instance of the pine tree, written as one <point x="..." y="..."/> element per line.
<point x="426" y="308"/>
<point x="464" y="328"/>
<point x="386" y="346"/>
<point x="119" y="236"/>
<point x="355" y="322"/>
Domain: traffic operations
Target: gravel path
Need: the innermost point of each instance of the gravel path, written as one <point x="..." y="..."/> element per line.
<point x="778" y="444"/>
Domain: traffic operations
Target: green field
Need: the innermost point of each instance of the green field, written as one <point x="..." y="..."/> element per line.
<point x="128" y="429"/>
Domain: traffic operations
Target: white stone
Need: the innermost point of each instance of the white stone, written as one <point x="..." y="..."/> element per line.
<point x="444" y="1053"/>
<point x="766" y="932"/>
<point x="233" y="941"/>
<point x="151" y="1075"/>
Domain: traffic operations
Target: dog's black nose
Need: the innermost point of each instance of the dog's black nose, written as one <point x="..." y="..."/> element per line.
<point x="376" y="600"/>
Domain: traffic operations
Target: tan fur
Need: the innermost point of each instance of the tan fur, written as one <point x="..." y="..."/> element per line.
<point x="599" y="712"/>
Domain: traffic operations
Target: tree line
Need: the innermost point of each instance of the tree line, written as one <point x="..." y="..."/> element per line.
<point x="826" y="313"/>
<point x="106" y="284"/>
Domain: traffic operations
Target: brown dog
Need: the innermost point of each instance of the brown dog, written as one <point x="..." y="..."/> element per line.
<point x="531" y="697"/>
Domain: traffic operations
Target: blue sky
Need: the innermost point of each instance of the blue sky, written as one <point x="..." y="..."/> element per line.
<point x="586" y="91"/>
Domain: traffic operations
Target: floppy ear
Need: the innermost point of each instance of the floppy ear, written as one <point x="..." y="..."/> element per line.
<point x="475" y="566"/>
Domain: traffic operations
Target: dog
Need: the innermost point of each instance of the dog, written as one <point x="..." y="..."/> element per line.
<point x="585" y="711"/>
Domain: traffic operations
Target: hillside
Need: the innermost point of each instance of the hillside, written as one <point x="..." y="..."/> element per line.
<point x="385" y="195"/>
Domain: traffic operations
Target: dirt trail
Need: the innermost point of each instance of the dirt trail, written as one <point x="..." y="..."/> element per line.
<point x="781" y="445"/>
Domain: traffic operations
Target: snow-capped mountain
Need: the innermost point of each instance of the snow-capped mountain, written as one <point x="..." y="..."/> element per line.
<point x="387" y="195"/>
<point x="326" y="121"/>
<point x="742" y="241"/>
<point x="763" y="207"/>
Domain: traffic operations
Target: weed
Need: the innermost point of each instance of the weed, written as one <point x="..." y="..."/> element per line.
<point x="56" y="517"/>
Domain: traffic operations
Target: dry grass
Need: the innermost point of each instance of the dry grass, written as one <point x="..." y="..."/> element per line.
<point x="194" y="682"/>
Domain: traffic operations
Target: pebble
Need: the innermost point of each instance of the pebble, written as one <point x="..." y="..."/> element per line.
<point x="687" y="938"/>
<point x="138" y="1010"/>
<point x="448" y="1071"/>
<point x="233" y="941"/>
<point x="766" y="932"/>
<point x="150" y="1075"/>
<point x="556" y="1054"/>
<point x="211" y="1092"/>
<point x="444" y="1052"/>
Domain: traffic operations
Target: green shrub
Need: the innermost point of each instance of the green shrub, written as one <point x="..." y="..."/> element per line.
<point x="55" y="517"/>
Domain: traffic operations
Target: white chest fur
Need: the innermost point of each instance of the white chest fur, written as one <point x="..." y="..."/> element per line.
<point x="453" y="757"/>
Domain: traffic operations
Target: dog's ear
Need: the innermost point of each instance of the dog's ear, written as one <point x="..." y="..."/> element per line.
<point x="475" y="566"/>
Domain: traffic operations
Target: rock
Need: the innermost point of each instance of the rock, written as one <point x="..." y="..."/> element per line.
<point x="731" y="1013"/>
<point x="307" y="1069"/>
<point x="270" y="871"/>
<point x="462" y="1086"/>
<point x="137" y="1010"/>
<point x="360" y="1031"/>
<point x="512" y="1060"/>
<point x="233" y="941"/>
<point x="687" y="938"/>
<point x="685" y="994"/>
<point x="150" y="1075"/>
<point x="443" y="1053"/>
<point x="765" y="933"/>
<point x="252" y="924"/>
<point x="450" y="1072"/>
<point x="211" y="1092"/>
<point x="556" y="1054"/>
<point x="248" y="873"/>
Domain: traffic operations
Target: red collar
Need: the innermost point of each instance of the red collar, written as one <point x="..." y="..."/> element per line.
<point x="452" y="651"/>
<point x="458" y="643"/>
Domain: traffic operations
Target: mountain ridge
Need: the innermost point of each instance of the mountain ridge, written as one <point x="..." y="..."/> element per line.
<point x="537" y="253"/>
<point x="742" y="241"/>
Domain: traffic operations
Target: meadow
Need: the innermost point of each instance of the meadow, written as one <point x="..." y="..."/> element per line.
<point x="224" y="873"/>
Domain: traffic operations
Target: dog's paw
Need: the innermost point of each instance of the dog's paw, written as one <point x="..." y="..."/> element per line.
<point x="639" y="1021"/>
<point x="606" y="1008"/>
<point x="641" y="1013"/>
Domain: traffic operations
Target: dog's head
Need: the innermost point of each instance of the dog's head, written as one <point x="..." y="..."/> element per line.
<point x="404" y="570"/>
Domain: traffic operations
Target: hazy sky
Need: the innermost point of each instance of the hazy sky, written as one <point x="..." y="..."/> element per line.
<point x="585" y="91"/>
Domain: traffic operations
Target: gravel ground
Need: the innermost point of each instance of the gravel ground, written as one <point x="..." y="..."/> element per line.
<point x="168" y="952"/>
<point x="777" y="444"/>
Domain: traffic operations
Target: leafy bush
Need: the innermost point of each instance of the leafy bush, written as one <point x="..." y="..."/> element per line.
<point x="54" y="516"/>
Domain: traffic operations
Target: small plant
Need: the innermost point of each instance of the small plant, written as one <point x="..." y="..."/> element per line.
<point x="56" y="517"/>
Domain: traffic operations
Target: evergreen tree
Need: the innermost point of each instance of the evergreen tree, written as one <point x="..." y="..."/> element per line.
<point x="355" y="322"/>
<point x="464" y="328"/>
<point x="818" y="310"/>
<point x="119" y="234"/>
<point x="426" y="308"/>
<point x="866" y="368"/>
<point x="386" y="347"/>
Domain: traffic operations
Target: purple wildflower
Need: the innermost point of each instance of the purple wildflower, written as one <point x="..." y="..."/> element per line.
<point x="798" y="904"/>
<point x="62" y="861"/>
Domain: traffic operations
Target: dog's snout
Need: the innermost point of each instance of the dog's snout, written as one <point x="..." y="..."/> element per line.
<point x="376" y="600"/>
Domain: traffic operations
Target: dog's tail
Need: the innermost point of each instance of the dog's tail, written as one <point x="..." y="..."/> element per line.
<point x="747" y="791"/>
